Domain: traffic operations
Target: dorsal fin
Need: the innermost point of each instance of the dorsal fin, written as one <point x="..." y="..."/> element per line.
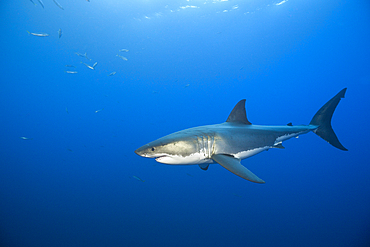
<point x="238" y="114"/>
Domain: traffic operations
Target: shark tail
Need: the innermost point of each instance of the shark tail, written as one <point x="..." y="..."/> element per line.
<point x="322" y="119"/>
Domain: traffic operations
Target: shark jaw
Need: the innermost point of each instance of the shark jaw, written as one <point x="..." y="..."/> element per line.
<point x="193" y="159"/>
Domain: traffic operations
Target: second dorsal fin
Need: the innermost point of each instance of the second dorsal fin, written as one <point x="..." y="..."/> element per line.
<point x="238" y="114"/>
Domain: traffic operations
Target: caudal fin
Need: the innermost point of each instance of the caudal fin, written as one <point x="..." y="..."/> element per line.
<point x="322" y="119"/>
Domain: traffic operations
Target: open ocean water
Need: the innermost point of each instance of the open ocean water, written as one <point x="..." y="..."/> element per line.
<point x="68" y="172"/>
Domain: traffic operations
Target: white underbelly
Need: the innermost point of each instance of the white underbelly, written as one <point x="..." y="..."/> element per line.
<point x="245" y="154"/>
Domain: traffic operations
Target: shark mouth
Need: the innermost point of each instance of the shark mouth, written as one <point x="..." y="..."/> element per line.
<point x="158" y="158"/>
<point x="165" y="159"/>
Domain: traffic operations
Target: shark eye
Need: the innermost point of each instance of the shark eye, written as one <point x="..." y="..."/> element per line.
<point x="153" y="149"/>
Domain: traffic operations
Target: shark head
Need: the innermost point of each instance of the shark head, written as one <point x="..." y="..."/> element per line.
<point x="174" y="149"/>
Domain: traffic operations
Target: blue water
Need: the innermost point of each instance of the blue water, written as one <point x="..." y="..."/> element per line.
<point x="71" y="183"/>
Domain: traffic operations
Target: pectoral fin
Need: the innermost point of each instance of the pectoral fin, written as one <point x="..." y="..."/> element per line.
<point x="233" y="165"/>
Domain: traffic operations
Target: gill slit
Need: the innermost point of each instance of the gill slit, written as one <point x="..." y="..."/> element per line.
<point x="206" y="145"/>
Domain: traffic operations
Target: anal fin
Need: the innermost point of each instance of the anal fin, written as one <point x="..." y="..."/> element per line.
<point x="233" y="165"/>
<point x="278" y="145"/>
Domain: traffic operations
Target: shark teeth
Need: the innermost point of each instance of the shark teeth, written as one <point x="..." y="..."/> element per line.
<point x="160" y="157"/>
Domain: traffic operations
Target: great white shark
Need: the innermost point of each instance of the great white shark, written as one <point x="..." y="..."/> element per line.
<point x="236" y="139"/>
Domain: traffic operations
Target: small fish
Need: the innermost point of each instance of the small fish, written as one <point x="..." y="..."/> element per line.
<point x="42" y="4"/>
<point x="71" y="72"/>
<point x="38" y="34"/>
<point x="70" y="150"/>
<point x="67" y="110"/>
<point x="25" y="138"/>
<point x="237" y="195"/>
<point x="124" y="50"/>
<point x="99" y="110"/>
<point x="88" y="66"/>
<point x="187" y="85"/>
<point x="60" y="32"/>
<point x="113" y="73"/>
<point x="60" y="6"/>
<point x="33" y="2"/>
<point x="70" y="66"/>
<point x="96" y="63"/>
<point x="82" y="55"/>
<point x="281" y="2"/>
<point x="137" y="178"/>
<point x="124" y="58"/>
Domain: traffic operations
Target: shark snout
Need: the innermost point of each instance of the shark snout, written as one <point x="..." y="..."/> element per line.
<point x="144" y="151"/>
<point x="139" y="151"/>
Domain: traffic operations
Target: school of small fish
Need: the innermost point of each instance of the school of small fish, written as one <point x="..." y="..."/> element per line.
<point x="82" y="55"/>
<point x="72" y="69"/>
